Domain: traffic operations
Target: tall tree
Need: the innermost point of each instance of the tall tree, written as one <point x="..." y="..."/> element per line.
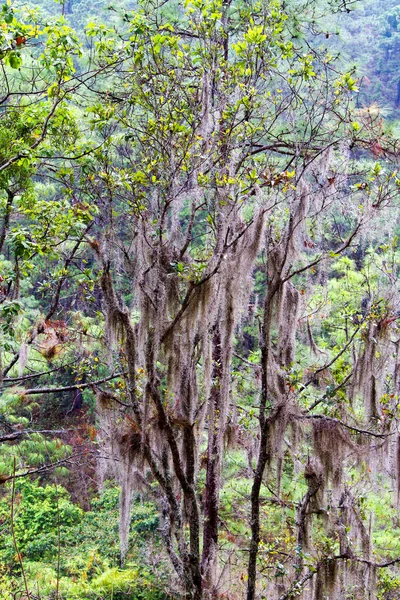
<point x="229" y="137"/>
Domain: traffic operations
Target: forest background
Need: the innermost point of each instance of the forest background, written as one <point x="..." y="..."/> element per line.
<point x="199" y="300"/>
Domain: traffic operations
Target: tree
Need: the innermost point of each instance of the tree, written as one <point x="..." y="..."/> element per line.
<point x="41" y="226"/>
<point x="228" y="137"/>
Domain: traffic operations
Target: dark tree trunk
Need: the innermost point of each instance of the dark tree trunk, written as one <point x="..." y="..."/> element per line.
<point x="211" y="504"/>
<point x="255" y="515"/>
<point x="263" y="451"/>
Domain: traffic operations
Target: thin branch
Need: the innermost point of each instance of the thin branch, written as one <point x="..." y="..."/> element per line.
<point x="332" y="393"/>
<point x="345" y="425"/>
<point x="15" y="435"/>
<point x="334" y="359"/>
<point x="43" y="468"/>
<point x="315" y="262"/>
<point x="39" y="374"/>
<point x="69" y="388"/>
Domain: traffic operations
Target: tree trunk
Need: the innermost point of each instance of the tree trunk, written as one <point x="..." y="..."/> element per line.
<point x="263" y="451"/>
<point x="255" y="515"/>
<point x="211" y="505"/>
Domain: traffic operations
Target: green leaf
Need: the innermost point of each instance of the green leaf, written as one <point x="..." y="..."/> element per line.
<point x="14" y="60"/>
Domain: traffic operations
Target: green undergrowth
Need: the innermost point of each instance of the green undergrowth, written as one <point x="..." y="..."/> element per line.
<point x="75" y="552"/>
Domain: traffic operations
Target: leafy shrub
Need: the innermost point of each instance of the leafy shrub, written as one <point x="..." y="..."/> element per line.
<point x="39" y="513"/>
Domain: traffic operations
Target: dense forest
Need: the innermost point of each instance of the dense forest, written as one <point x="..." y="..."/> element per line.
<point x="199" y="300"/>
